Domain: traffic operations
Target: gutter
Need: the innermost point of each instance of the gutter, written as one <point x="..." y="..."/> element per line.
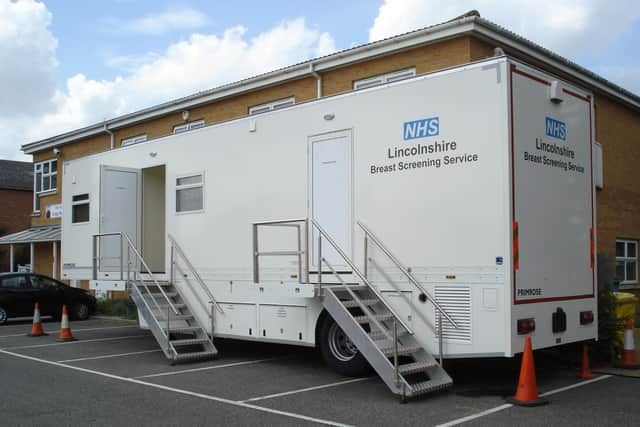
<point x="318" y="77"/>
<point x="113" y="137"/>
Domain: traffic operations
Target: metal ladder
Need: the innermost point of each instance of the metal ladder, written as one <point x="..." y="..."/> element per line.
<point x="375" y="328"/>
<point x="161" y="303"/>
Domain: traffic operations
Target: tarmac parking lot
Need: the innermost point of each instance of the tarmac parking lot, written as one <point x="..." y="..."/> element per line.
<point x="115" y="374"/>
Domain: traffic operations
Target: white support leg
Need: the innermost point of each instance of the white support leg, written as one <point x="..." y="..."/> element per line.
<point x="54" y="272"/>
<point x="32" y="256"/>
<point x="11" y="258"/>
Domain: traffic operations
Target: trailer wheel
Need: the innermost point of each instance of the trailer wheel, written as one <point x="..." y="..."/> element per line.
<point x="338" y="352"/>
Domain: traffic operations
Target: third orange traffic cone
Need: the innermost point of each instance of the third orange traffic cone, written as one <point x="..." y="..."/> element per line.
<point x="65" y="329"/>
<point x="36" y="327"/>
<point x="585" y="371"/>
<point x="628" y="360"/>
<point x="527" y="392"/>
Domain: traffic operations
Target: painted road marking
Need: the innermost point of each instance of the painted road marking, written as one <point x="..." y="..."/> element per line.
<point x="75" y="330"/>
<point x="77" y="342"/>
<point x="178" y="391"/>
<point x="109" y="356"/>
<point x="302" y="390"/>
<point x="509" y="405"/>
<point x="209" y="367"/>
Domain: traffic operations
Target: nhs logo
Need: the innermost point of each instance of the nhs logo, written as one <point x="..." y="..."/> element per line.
<point x="421" y="128"/>
<point x="556" y="129"/>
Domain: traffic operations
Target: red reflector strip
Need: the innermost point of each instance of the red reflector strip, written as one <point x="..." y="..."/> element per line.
<point x="516" y="249"/>
<point x="592" y="248"/>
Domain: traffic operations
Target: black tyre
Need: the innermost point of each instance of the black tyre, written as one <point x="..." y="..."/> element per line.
<point x="80" y="311"/>
<point x="3" y="316"/>
<point x="338" y="352"/>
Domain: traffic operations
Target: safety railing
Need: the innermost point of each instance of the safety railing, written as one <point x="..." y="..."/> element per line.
<point x="302" y="227"/>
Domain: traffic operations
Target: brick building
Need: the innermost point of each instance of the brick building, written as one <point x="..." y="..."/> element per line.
<point x="16" y="201"/>
<point x="461" y="41"/>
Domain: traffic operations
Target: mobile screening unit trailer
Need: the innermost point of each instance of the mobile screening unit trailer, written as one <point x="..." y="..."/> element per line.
<point x="447" y="215"/>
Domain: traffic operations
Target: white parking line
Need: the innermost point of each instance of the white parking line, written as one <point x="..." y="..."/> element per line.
<point x="209" y="367"/>
<point x="179" y="391"/>
<point x="509" y="405"/>
<point x="109" y="356"/>
<point x="302" y="390"/>
<point x="77" y="342"/>
<point x="75" y="330"/>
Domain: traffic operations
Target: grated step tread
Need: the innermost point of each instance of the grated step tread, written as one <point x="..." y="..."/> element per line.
<point x="189" y="341"/>
<point x="365" y="319"/>
<point x="376" y="334"/>
<point x="415" y="367"/>
<point x="430" y="386"/>
<point x="354" y="303"/>
<point x="178" y="329"/>
<point x="182" y="357"/>
<point x="402" y="351"/>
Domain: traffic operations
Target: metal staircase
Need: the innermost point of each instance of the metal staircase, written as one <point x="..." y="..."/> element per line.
<point x="162" y="306"/>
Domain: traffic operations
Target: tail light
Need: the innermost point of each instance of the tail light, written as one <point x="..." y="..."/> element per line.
<point x="526" y="326"/>
<point x="586" y="317"/>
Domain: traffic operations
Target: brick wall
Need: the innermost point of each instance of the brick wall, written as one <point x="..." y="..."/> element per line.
<point x="15" y="210"/>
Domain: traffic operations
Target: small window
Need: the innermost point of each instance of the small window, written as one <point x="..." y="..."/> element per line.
<point x="627" y="261"/>
<point x="45" y="180"/>
<point x="190" y="193"/>
<point x="189" y="126"/>
<point x="133" y="140"/>
<point x="80" y="208"/>
<point x="270" y="106"/>
<point x="384" y="78"/>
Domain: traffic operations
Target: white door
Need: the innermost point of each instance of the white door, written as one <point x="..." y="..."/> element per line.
<point x="331" y="194"/>
<point x="119" y="212"/>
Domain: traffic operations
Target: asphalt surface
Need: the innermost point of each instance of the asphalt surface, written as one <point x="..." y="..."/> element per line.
<point x="115" y="375"/>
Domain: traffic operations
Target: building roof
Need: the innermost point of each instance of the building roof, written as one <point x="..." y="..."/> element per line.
<point x="50" y="233"/>
<point x="468" y="24"/>
<point x="16" y="175"/>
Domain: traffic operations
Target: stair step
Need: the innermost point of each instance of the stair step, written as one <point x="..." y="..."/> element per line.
<point x="343" y="288"/>
<point x="402" y="351"/>
<point x="182" y="357"/>
<point x="179" y="329"/>
<point x="175" y="304"/>
<point x="189" y="341"/>
<point x="430" y="386"/>
<point x="415" y="367"/>
<point x="365" y="319"/>
<point x="379" y="335"/>
<point x="159" y="295"/>
<point x="354" y="303"/>
<point x="163" y="317"/>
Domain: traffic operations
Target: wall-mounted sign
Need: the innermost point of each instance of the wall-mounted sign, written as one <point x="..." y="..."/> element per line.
<point x="54" y="211"/>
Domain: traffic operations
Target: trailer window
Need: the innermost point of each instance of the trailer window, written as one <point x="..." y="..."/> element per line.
<point x="80" y="208"/>
<point x="190" y="193"/>
<point x="627" y="261"/>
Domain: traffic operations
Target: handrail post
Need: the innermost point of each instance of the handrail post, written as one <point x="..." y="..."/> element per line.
<point x="95" y="258"/>
<point x="212" y="317"/>
<point x="172" y="265"/>
<point x="395" y="351"/>
<point x="307" y="249"/>
<point x="121" y="258"/>
<point x="440" y="336"/>
<point x="366" y="256"/>
<point x="319" y="263"/>
<point x="299" y="255"/>
<point x="168" y="331"/>
<point x="256" y="262"/>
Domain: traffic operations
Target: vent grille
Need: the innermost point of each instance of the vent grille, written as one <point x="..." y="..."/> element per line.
<point x="456" y="301"/>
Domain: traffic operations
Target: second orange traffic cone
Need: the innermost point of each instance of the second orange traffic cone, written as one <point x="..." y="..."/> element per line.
<point x="628" y="360"/>
<point x="527" y="392"/>
<point x="65" y="329"/>
<point x="36" y="327"/>
<point x="585" y="371"/>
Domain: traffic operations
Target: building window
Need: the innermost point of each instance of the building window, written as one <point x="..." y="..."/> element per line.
<point x="80" y="208"/>
<point x="188" y="126"/>
<point x="270" y="106"/>
<point x="45" y="180"/>
<point x="627" y="261"/>
<point x="384" y="78"/>
<point x="190" y="193"/>
<point x="134" y="140"/>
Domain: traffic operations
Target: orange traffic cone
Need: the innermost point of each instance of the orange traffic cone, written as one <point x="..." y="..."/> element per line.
<point x="628" y="360"/>
<point x="527" y="392"/>
<point x="65" y="330"/>
<point x="585" y="371"/>
<point x="36" y="327"/>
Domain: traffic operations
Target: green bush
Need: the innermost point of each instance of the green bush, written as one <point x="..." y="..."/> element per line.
<point x="125" y="309"/>
<point x="604" y="349"/>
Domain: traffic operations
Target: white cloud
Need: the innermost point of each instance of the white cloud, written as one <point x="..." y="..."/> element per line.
<point x="569" y="27"/>
<point x="167" y="21"/>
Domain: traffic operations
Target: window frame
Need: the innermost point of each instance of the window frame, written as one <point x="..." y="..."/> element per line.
<point x="385" y="78"/>
<point x="74" y="203"/>
<point x="627" y="259"/>
<point x="278" y="104"/>
<point x="38" y="168"/>
<point x="196" y="124"/>
<point x="124" y="142"/>
<point x="187" y="187"/>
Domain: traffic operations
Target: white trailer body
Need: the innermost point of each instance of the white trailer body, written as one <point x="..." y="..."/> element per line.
<point x="477" y="178"/>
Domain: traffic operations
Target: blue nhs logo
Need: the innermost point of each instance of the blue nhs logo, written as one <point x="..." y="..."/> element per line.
<point x="421" y="128"/>
<point x="556" y="129"/>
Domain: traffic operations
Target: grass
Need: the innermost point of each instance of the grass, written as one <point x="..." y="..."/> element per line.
<point x="124" y="309"/>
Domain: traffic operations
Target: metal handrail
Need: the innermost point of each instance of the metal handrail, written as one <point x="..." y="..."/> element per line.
<point x="404" y="271"/>
<point x="360" y="275"/>
<point x="195" y="273"/>
<point x="300" y="253"/>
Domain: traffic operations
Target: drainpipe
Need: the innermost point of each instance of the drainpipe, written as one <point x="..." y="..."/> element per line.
<point x="113" y="136"/>
<point x="318" y="77"/>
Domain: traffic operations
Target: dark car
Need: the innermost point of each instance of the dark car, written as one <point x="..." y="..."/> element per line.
<point x="20" y="291"/>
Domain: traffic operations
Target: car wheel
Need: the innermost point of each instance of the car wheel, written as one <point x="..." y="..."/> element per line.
<point x="3" y="316"/>
<point x="338" y="352"/>
<point x="80" y="311"/>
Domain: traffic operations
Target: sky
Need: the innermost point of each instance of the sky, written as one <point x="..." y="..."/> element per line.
<point x="66" y="64"/>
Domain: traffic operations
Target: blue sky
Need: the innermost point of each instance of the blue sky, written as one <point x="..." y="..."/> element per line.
<point x="68" y="64"/>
